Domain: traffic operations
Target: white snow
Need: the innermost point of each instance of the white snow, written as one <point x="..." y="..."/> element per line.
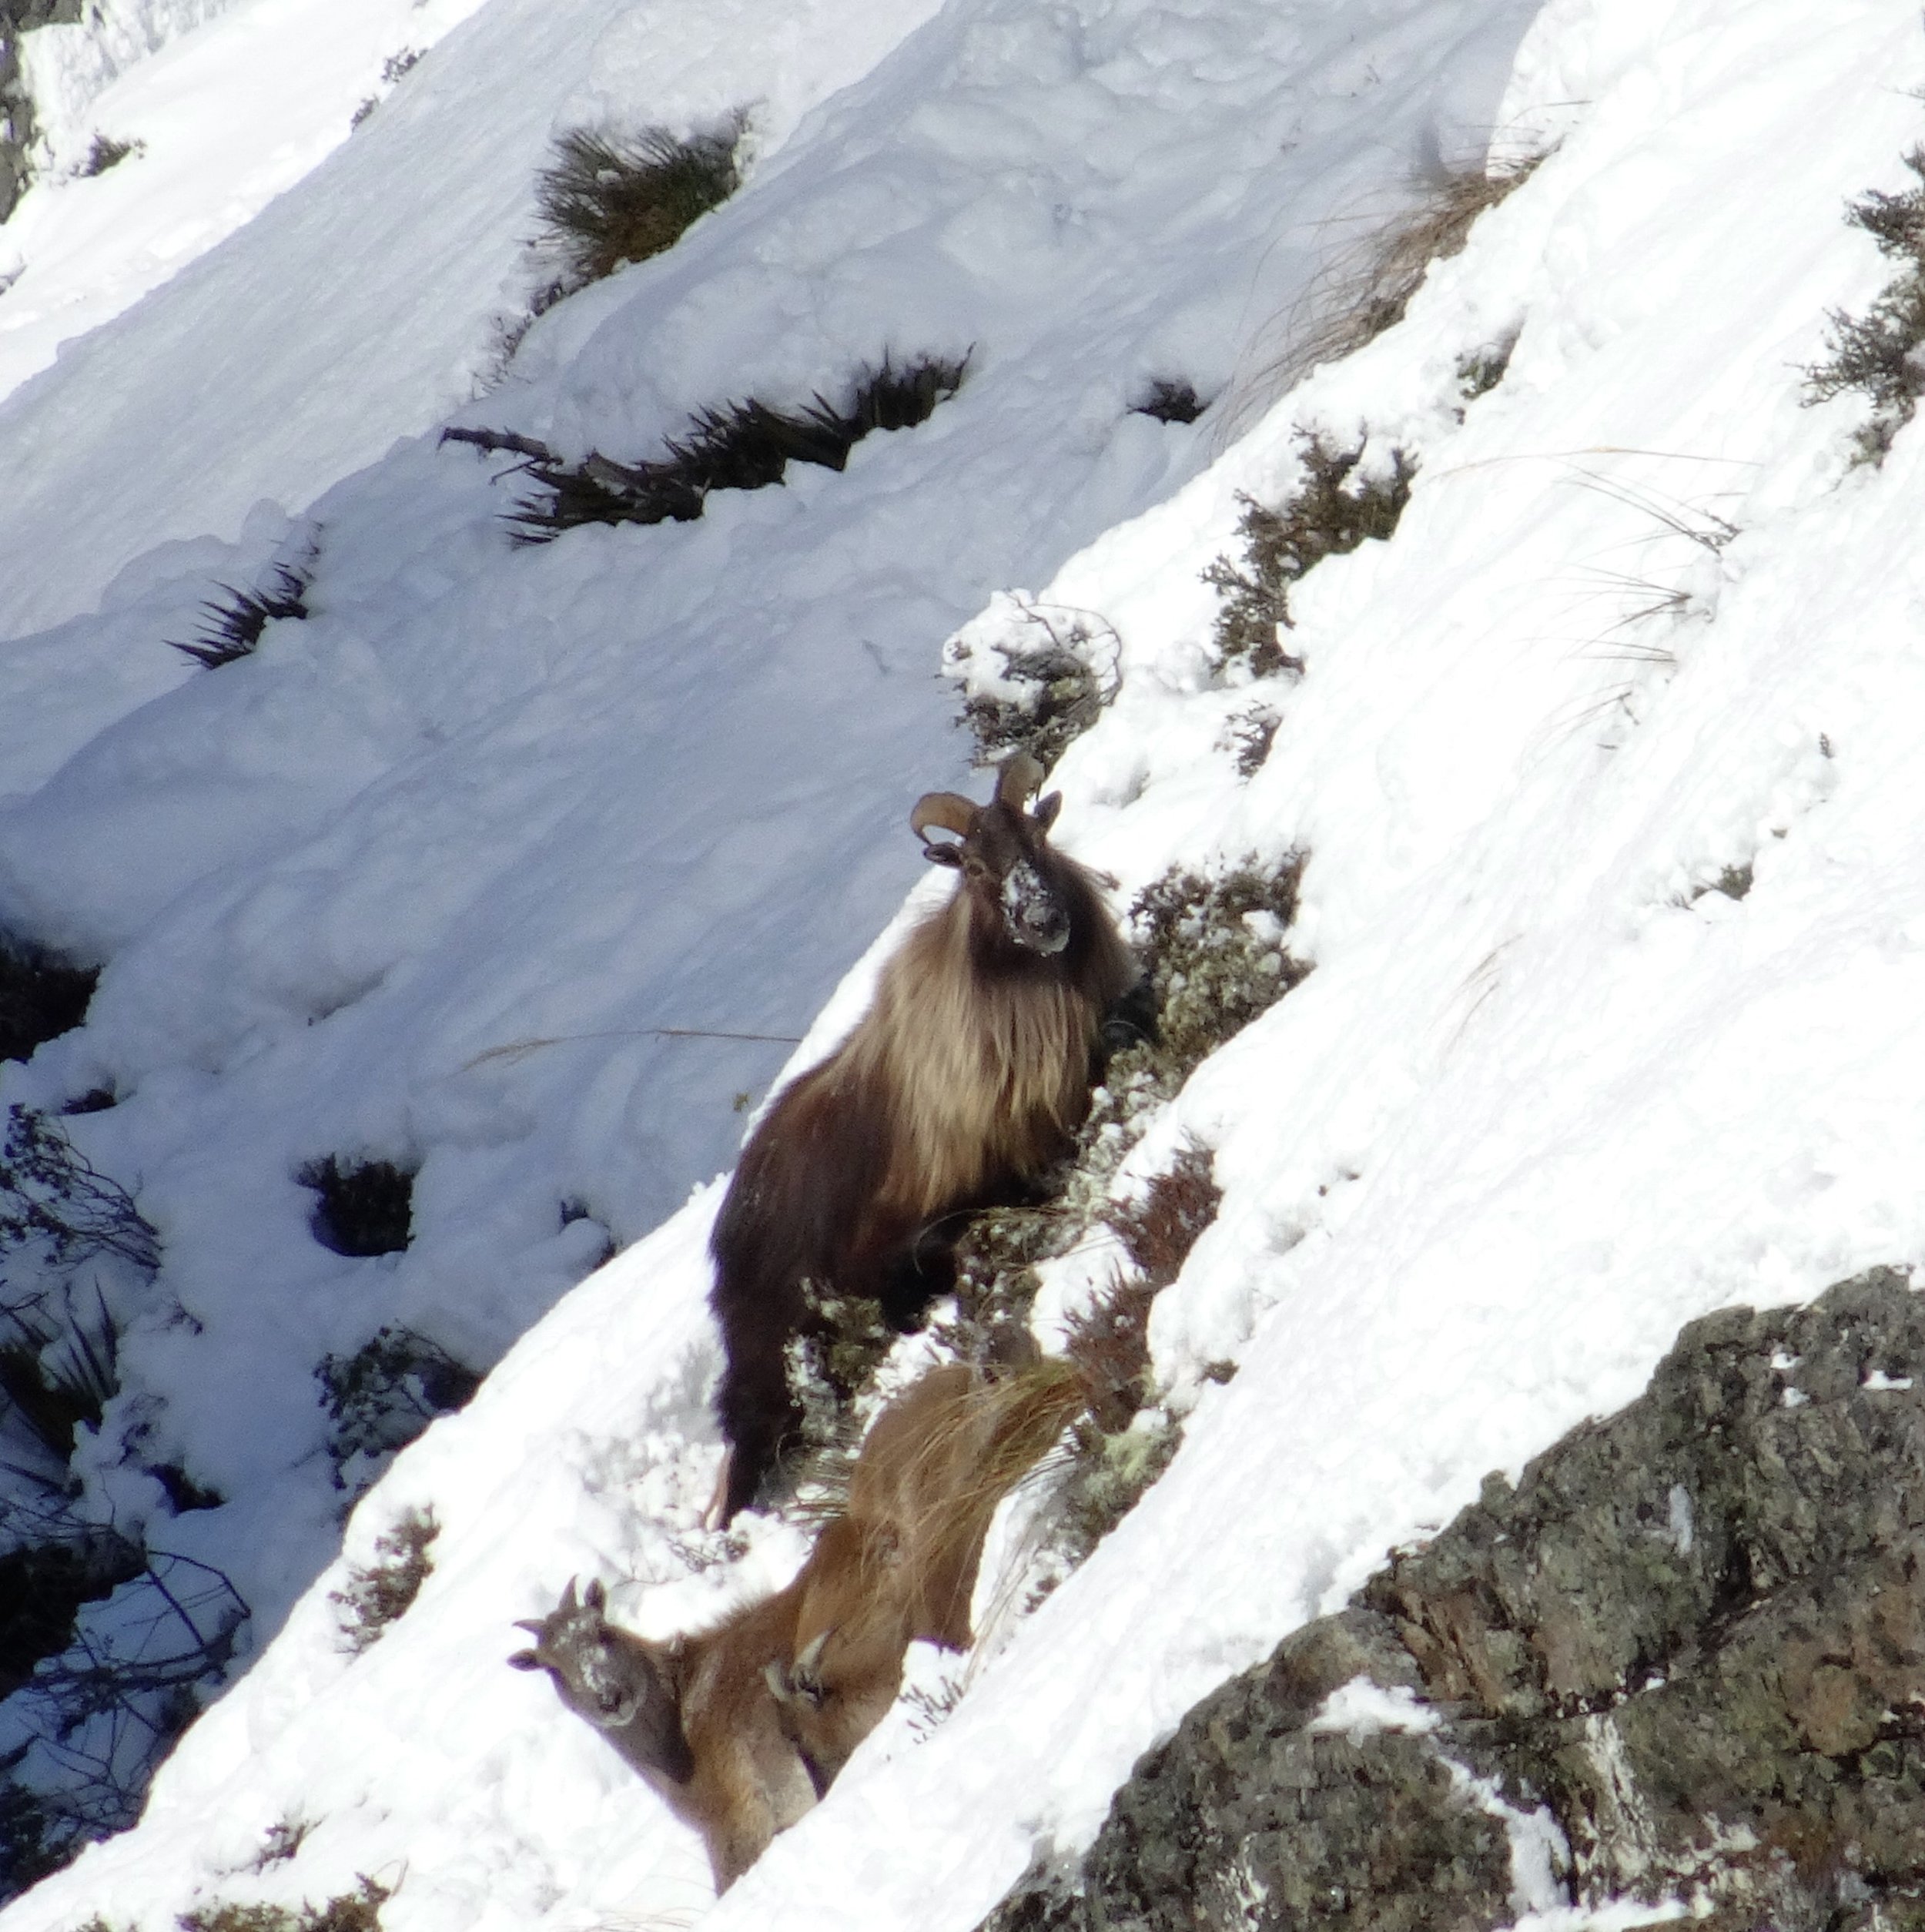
<point x="1549" y="1092"/>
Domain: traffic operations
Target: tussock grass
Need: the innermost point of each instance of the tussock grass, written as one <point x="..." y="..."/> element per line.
<point x="364" y="1207"/>
<point x="1881" y="354"/>
<point x="1170" y="399"/>
<point x="1334" y="510"/>
<point x="42" y="996"/>
<point x="608" y="198"/>
<point x="232" y="623"/>
<point x="744" y="445"/>
<point x="377" y="1595"/>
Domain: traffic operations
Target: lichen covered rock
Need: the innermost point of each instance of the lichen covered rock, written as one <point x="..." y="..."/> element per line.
<point x="1683" y="1660"/>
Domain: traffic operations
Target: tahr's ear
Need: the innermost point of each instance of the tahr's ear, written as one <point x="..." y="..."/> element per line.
<point x="524" y="1660"/>
<point x="943" y="855"/>
<point x="1045" y="814"/>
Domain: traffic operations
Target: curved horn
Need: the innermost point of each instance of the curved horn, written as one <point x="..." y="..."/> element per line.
<point x="1019" y="777"/>
<point x="568" y="1596"/>
<point x="949" y="811"/>
<point x="538" y="1625"/>
<point x="808" y="1660"/>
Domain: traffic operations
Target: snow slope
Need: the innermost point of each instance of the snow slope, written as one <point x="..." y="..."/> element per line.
<point x="516" y="865"/>
<point x="230" y="106"/>
<point x="1549" y="1093"/>
<point x="361" y="304"/>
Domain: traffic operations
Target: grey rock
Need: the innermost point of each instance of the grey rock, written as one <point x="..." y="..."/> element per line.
<point x="16" y="105"/>
<point x="1693" y="1637"/>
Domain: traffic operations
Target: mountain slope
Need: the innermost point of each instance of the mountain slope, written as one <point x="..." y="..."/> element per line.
<point x="1602" y="764"/>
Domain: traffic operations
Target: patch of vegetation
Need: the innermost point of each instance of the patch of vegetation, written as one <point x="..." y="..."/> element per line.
<point x="366" y="1207"/>
<point x="56" y="1377"/>
<point x="1252" y="732"/>
<point x="43" y="1583"/>
<point x="54" y="1199"/>
<point x="380" y="1398"/>
<point x="1058" y="686"/>
<point x="1881" y="354"/>
<point x="1170" y="401"/>
<point x="98" y="1714"/>
<point x="232" y="624"/>
<point x="1368" y="286"/>
<point x="1109" y="1341"/>
<point x="1332" y="511"/>
<point x="739" y="446"/>
<point x="376" y="1596"/>
<point x="106" y="153"/>
<point x="42" y="996"/>
<point x="1479" y="372"/>
<point x="358" y="1910"/>
<point x="609" y="198"/>
<point x="1215" y="950"/>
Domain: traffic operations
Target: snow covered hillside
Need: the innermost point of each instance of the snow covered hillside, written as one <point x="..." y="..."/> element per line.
<point x="1603" y="766"/>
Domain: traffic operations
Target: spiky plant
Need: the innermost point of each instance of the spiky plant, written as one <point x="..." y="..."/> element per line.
<point x="232" y="624"/>
<point x="608" y="198"/>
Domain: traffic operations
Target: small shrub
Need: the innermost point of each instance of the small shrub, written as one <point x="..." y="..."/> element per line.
<point x="42" y="996"/>
<point x="1252" y="732"/>
<point x="380" y="1398"/>
<point x="1061" y="684"/>
<point x="358" y="1910"/>
<point x="608" y="198"/>
<point x="397" y="64"/>
<point x="366" y="1207"/>
<point x="739" y="446"/>
<point x="1216" y="952"/>
<point x="1108" y="1474"/>
<point x="284" y="1838"/>
<point x="1329" y="515"/>
<point x="1882" y="353"/>
<point x="106" y="153"/>
<point x="53" y="1199"/>
<point x="385" y="1590"/>
<point x="232" y="625"/>
<point x="1170" y="401"/>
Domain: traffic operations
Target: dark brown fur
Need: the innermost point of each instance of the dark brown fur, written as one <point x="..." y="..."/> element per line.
<point x="966" y="1080"/>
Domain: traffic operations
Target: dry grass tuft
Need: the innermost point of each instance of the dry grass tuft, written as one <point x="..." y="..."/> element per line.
<point x="1366" y="286"/>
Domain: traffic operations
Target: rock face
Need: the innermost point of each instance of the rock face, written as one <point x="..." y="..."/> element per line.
<point x="1683" y="1660"/>
<point x="16" y="106"/>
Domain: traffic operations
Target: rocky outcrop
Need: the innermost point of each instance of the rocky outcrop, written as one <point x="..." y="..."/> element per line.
<point x="16" y="106"/>
<point x="1683" y="1660"/>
